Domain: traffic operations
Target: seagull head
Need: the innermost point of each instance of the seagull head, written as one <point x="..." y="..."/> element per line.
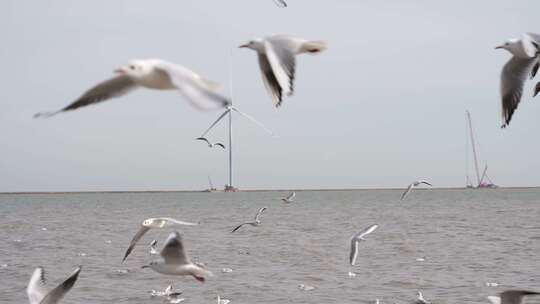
<point x="511" y="45"/>
<point x="147" y="223"/>
<point x="256" y="44"/>
<point x="135" y="68"/>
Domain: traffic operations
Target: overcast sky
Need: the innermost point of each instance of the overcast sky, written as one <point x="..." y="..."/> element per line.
<point x="383" y="106"/>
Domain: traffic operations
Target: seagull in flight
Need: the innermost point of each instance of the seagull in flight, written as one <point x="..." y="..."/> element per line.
<point x="210" y="145"/>
<point x="160" y="222"/>
<point x="356" y="239"/>
<point x="289" y="198"/>
<point x="280" y="3"/>
<point x="515" y="72"/>
<point x="37" y="294"/>
<point x="420" y="299"/>
<point x="176" y="261"/>
<point x="277" y="61"/>
<point x="511" y="296"/>
<point x="413" y="185"/>
<point x="255" y="223"/>
<point x="152" y="74"/>
<point x="153" y="249"/>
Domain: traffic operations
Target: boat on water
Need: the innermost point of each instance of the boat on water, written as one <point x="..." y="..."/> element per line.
<point x="212" y="188"/>
<point x="483" y="181"/>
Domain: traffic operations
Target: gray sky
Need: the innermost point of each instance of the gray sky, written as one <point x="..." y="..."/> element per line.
<point x="383" y="106"/>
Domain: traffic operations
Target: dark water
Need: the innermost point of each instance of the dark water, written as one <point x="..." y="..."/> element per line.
<point x="469" y="237"/>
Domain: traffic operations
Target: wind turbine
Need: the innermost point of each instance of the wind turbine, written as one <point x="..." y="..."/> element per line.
<point x="228" y="111"/>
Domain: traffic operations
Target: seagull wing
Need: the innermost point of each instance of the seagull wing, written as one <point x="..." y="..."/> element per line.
<point x="536" y="89"/>
<point x="515" y="296"/>
<point x="203" y="139"/>
<point x="407" y="191"/>
<point x="530" y="46"/>
<point x="55" y="295"/>
<point x="114" y="87"/>
<point x="291" y="196"/>
<point x="513" y="77"/>
<point x="283" y="62"/>
<point x="494" y="299"/>
<point x="201" y="93"/>
<point x="170" y="222"/>
<point x="360" y="235"/>
<point x="36" y="287"/>
<point x="259" y="213"/>
<point x="280" y="3"/>
<point x="238" y="227"/>
<point x="174" y="252"/>
<point x="134" y="241"/>
<point x="270" y="81"/>
<point x="535" y="69"/>
<point x="220" y="144"/>
<point x="354" y="251"/>
<point x="425" y="182"/>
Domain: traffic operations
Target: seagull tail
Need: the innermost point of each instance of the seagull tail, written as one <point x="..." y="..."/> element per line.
<point x="314" y="47"/>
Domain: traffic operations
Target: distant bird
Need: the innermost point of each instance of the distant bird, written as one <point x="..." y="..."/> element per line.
<point x="255" y="223"/>
<point x="277" y="61"/>
<point x="356" y="239"/>
<point x="160" y="222"/>
<point x="152" y="74"/>
<point x="153" y="249"/>
<point x="210" y="145"/>
<point x="280" y="3"/>
<point x="515" y="72"/>
<point x="176" y="261"/>
<point x="37" y="294"/>
<point x="166" y="293"/>
<point x="420" y="299"/>
<point x="222" y="301"/>
<point x="413" y="185"/>
<point x="289" y="198"/>
<point x="511" y="296"/>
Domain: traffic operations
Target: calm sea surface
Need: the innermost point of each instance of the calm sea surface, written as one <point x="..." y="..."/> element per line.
<point x="468" y="238"/>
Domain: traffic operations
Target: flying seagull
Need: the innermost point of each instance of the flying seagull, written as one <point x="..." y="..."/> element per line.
<point x="210" y="145"/>
<point x="153" y="249"/>
<point x="511" y="296"/>
<point x="152" y="74"/>
<point x="37" y="294"/>
<point x="280" y="3"/>
<point x="160" y="222"/>
<point x="289" y="199"/>
<point x="176" y="261"/>
<point x="420" y="299"/>
<point x="413" y="185"/>
<point x="356" y="239"/>
<point x="523" y="63"/>
<point x="277" y="61"/>
<point x="255" y="223"/>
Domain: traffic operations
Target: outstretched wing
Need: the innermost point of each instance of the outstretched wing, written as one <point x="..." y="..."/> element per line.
<point x="259" y="213"/>
<point x="425" y="182"/>
<point x="291" y="196"/>
<point x="282" y="60"/>
<point x="513" y="77"/>
<point x="220" y="144"/>
<point x="201" y="93"/>
<point x="238" y="227"/>
<point x="270" y="81"/>
<point x="203" y="139"/>
<point x="134" y="241"/>
<point x="114" y="87"/>
<point x="407" y="191"/>
<point x="36" y="287"/>
<point x="174" y="252"/>
<point x="354" y="251"/>
<point x="171" y="222"/>
<point x="55" y="295"/>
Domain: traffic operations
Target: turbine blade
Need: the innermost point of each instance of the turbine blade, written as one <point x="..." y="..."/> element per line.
<point x="215" y="122"/>
<point x="254" y="121"/>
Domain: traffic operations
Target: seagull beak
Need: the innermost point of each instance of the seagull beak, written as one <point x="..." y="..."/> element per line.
<point x="120" y="71"/>
<point x="499" y="47"/>
<point x="243" y="46"/>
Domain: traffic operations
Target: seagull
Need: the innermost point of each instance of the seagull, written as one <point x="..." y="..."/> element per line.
<point x="355" y="240"/>
<point x="153" y="249"/>
<point x="280" y="3"/>
<point x="412" y="185"/>
<point x="152" y="74"/>
<point x="160" y="222"/>
<point x="210" y="145"/>
<point x="511" y="296"/>
<point x="36" y="287"/>
<point x="514" y="73"/>
<point x="176" y="261"/>
<point x="222" y="301"/>
<point x="420" y="299"/>
<point x="289" y="199"/>
<point x="255" y="223"/>
<point x="277" y="61"/>
<point x="166" y="293"/>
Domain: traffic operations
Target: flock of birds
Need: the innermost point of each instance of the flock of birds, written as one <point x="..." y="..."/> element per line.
<point x="277" y="62"/>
